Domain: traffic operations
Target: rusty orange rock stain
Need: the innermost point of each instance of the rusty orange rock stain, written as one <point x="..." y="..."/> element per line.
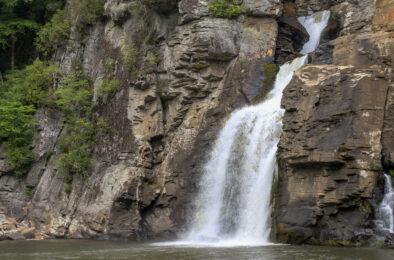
<point x="389" y="16"/>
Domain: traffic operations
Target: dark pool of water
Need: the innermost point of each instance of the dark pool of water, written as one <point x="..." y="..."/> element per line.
<point x="86" y="249"/>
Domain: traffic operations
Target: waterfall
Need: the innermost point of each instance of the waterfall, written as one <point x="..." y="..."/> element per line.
<point x="234" y="203"/>
<point x="385" y="211"/>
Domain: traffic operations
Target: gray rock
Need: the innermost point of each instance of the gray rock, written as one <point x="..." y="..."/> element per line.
<point x="266" y="8"/>
<point x="330" y="151"/>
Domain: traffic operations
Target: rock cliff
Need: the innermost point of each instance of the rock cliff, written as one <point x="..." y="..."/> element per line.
<point x="338" y="132"/>
<point x="191" y="71"/>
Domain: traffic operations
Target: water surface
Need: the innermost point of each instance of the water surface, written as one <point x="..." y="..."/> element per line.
<point x="87" y="249"/>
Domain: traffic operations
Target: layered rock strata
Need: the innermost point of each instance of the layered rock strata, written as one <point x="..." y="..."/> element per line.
<point x="192" y="71"/>
<point x="338" y="130"/>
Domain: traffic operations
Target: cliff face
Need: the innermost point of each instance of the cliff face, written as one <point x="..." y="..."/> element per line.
<point x="192" y="71"/>
<point x="338" y="130"/>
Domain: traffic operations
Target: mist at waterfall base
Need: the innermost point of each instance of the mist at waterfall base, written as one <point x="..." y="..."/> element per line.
<point x="234" y="206"/>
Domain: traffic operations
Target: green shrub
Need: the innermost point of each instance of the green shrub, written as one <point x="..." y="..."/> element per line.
<point x="68" y="185"/>
<point x="53" y="34"/>
<point x="29" y="192"/>
<point x="158" y="90"/>
<point x="333" y="15"/>
<point x="16" y="121"/>
<point x="109" y="87"/>
<point x="366" y="207"/>
<point x="154" y="60"/>
<point x="19" y="158"/>
<point x="32" y="85"/>
<point x="129" y="55"/>
<point x="75" y="148"/>
<point x="68" y="188"/>
<point x="224" y="9"/>
<point x="158" y="186"/>
<point x="75" y="96"/>
<point x="102" y="127"/>
<point x="20" y="95"/>
<point x="108" y="65"/>
<point x="86" y="12"/>
<point x="75" y="99"/>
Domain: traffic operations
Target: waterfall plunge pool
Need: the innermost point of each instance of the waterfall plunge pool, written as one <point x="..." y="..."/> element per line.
<point x="88" y="249"/>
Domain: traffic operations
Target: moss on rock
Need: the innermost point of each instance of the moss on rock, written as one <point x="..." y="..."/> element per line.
<point x="270" y="71"/>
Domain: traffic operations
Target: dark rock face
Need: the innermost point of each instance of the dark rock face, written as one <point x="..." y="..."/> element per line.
<point x="330" y="151"/>
<point x="291" y="37"/>
<point x="338" y="132"/>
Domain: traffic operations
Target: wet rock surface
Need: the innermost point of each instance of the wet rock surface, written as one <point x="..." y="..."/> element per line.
<point x="291" y="37"/>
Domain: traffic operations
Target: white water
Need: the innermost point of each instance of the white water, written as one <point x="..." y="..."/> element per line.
<point x="385" y="211"/>
<point x="314" y="25"/>
<point x="234" y="203"/>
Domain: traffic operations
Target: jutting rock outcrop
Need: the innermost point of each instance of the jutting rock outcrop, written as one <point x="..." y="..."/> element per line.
<point x="338" y="131"/>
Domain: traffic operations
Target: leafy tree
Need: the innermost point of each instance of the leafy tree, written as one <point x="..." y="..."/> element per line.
<point x="20" y="95"/>
<point x="76" y="147"/>
<point x="75" y="95"/>
<point x="16" y="133"/>
<point x="53" y="34"/>
<point x="13" y="27"/>
<point x="75" y="99"/>
<point x="32" y="85"/>
<point x="19" y="22"/>
<point x="86" y="12"/>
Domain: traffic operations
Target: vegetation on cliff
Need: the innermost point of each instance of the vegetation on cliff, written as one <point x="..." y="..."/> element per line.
<point x="24" y="90"/>
<point x="22" y="93"/>
<point x="53" y="34"/>
<point x="45" y="27"/>
<point x="86" y="12"/>
<point x="225" y="9"/>
<point x="74" y="98"/>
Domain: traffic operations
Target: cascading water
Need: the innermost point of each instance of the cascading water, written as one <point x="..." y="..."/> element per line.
<point x="385" y="211"/>
<point x="234" y="203"/>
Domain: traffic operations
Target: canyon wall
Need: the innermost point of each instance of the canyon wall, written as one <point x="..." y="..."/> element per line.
<point x="192" y="71"/>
